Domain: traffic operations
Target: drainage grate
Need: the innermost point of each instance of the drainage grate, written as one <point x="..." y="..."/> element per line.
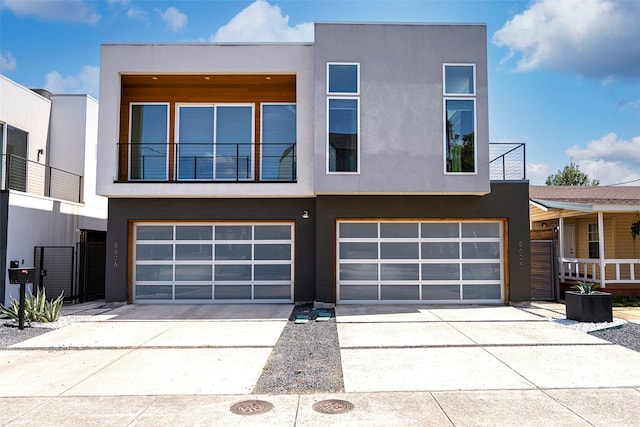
<point x="333" y="406"/>
<point x="251" y="407"/>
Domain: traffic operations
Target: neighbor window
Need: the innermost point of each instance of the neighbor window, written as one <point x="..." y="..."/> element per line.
<point x="343" y="117"/>
<point x="17" y="158"/>
<point x="148" y="141"/>
<point x="594" y="241"/>
<point x="460" y="118"/>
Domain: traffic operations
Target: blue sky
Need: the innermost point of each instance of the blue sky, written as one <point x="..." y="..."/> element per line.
<point x="564" y="75"/>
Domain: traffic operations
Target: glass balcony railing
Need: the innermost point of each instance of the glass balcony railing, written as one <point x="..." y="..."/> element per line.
<point x="207" y="162"/>
<point x="20" y="174"/>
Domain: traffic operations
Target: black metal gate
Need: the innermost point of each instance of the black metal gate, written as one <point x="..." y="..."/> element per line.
<point x="55" y="270"/>
<point x="91" y="265"/>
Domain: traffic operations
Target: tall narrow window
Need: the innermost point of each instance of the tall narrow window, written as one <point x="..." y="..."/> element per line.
<point x="278" y="149"/>
<point x="460" y="118"/>
<point x="149" y="137"/>
<point x="343" y="117"/>
<point x="594" y="241"/>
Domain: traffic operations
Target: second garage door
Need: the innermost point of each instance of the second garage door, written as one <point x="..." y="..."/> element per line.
<point x="420" y="261"/>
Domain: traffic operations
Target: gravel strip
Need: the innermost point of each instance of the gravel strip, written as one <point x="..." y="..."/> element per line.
<point x="626" y="336"/>
<point x="306" y="358"/>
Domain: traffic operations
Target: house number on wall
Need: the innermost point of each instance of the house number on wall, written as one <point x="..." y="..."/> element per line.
<point x="115" y="255"/>
<point x="521" y="253"/>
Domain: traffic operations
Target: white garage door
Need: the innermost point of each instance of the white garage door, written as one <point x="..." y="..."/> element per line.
<point x="420" y="261"/>
<point x="213" y="262"/>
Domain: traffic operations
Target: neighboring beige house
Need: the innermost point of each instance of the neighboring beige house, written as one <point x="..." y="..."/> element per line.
<point x="593" y="232"/>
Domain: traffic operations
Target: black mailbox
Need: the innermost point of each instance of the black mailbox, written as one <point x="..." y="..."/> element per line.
<point x="22" y="275"/>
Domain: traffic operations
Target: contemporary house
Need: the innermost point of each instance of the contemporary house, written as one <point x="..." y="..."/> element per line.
<point x="49" y="211"/>
<point x="592" y="230"/>
<point x="354" y="169"/>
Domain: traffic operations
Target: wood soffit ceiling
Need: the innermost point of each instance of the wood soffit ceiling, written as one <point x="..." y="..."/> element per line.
<point x="212" y="80"/>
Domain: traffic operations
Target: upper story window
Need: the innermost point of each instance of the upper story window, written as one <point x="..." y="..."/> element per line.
<point x="343" y="117"/>
<point x="278" y="149"/>
<point x="460" y="117"/>
<point x="148" y="141"/>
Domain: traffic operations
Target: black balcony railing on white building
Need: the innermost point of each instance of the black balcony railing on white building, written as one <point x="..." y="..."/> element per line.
<point x="508" y="161"/>
<point x="207" y="162"/>
<point x="20" y="174"/>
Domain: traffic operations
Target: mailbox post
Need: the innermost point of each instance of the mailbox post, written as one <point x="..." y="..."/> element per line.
<point x="21" y="276"/>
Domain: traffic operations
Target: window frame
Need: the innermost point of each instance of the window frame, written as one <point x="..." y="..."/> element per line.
<point x="295" y="142"/>
<point x="342" y="95"/>
<point x="357" y="92"/>
<point x="214" y="143"/>
<point x="593" y="233"/>
<point x="472" y="96"/>
<point x="168" y="141"/>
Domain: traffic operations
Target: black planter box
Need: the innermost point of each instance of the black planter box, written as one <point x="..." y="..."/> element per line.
<point x="594" y="307"/>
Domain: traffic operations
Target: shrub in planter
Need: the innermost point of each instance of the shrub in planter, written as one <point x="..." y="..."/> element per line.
<point x="585" y="304"/>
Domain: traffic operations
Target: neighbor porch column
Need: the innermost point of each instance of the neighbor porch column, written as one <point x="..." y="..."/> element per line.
<point x="601" y="247"/>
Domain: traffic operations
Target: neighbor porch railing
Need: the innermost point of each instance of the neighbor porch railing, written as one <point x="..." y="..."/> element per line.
<point x="589" y="270"/>
<point x="508" y="161"/>
<point x="20" y="174"/>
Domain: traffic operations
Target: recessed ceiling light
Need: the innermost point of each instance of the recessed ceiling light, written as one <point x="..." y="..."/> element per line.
<point x="207" y="78"/>
<point x="268" y="78"/>
<point x="154" y="78"/>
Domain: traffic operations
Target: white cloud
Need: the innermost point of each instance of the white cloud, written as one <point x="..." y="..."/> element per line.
<point x="87" y="81"/>
<point x="173" y="18"/>
<point x="55" y="10"/>
<point x="609" y="159"/>
<point x="537" y="173"/>
<point x="7" y="62"/>
<point x="262" y="22"/>
<point x="593" y="38"/>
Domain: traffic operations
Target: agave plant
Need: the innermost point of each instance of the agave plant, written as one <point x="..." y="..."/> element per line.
<point x="36" y="308"/>
<point x="586" y="287"/>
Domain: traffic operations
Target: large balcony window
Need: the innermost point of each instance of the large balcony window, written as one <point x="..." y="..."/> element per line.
<point x="149" y="137"/>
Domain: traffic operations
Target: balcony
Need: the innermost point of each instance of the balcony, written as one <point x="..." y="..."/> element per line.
<point x="207" y="162"/>
<point x="20" y="174"/>
<point x="508" y="162"/>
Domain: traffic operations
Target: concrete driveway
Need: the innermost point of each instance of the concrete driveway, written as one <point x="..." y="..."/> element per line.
<point x="402" y="365"/>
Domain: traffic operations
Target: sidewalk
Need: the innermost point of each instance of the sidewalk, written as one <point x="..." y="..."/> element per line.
<point x="402" y="365"/>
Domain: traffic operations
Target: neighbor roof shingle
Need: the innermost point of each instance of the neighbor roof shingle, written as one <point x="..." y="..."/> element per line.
<point x="591" y="195"/>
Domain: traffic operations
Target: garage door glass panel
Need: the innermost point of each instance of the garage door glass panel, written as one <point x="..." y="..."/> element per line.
<point x="272" y="232"/>
<point x="400" y="292"/>
<point x="272" y="291"/>
<point x="154" y="232"/>
<point x="193" y="273"/>
<point x="230" y="251"/>
<point x="232" y="292"/>
<point x="396" y="230"/>
<point x="272" y="252"/>
<point x="198" y="292"/>
<point x="193" y="252"/>
<point x="272" y="272"/>
<point x="440" y="292"/>
<point x="473" y="229"/>
<point x="481" y="271"/>
<point x="440" y="230"/>
<point x="232" y="273"/>
<point x="399" y="272"/>
<point x="481" y="250"/>
<point x="481" y="291"/>
<point x="157" y="292"/>
<point x="440" y="250"/>
<point x="154" y="252"/>
<point x="154" y="273"/>
<point x="233" y="232"/>
<point x="355" y="250"/>
<point x="359" y="292"/>
<point x="358" y="271"/>
<point x="358" y="231"/>
<point x="393" y="250"/>
<point x="440" y="271"/>
<point x="191" y="232"/>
